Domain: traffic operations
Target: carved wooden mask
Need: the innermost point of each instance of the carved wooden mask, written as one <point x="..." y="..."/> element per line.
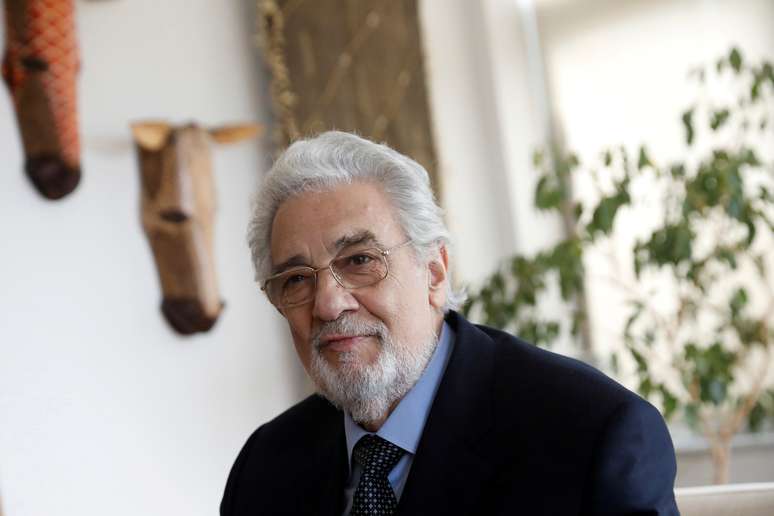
<point x="178" y="208"/>
<point x="40" y="67"/>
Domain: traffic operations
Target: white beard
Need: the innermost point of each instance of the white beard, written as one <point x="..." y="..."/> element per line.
<point x="367" y="391"/>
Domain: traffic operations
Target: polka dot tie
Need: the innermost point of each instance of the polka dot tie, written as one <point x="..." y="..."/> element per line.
<point x="374" y="495"/>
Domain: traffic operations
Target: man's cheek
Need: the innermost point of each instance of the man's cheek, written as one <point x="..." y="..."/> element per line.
<point x="303" y="345"/>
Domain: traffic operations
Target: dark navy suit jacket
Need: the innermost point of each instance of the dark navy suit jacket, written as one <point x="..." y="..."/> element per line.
<point x="514" y="429"/>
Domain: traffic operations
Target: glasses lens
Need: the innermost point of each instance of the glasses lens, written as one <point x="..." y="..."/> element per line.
<point x="361" y="268"/>
<point x="291" y="288"/>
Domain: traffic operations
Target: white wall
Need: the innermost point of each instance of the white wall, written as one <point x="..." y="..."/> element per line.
<point x="103" y="409"/>
<point x="476" y="191"/>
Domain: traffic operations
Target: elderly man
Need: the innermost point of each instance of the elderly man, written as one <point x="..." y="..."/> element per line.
<point x="419" y="411"/>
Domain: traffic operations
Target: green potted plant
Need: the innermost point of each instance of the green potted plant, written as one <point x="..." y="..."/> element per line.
<point x="708" y="353"/>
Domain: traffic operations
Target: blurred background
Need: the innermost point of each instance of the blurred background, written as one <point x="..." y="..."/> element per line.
<point x="105" y="409"/>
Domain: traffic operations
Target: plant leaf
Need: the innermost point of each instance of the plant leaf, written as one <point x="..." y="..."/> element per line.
<point x="735" y="59"/>
<point x="687" y="120"/>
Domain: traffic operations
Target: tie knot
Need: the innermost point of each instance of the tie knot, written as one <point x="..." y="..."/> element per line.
<point x="376" y="455"/>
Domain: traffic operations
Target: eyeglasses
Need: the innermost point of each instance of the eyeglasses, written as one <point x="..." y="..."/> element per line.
<point x="352" y="269"/>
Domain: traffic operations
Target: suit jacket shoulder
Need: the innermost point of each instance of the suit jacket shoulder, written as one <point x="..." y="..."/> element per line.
<point x="557" y="390"/>
<point x="294" y="464"/>
<point x="538" y="431"/>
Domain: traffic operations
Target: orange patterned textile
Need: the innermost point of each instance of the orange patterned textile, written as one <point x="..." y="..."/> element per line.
<point x="40" y="67"/>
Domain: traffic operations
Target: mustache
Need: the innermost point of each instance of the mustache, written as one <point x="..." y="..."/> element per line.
<point x="349" y="325"/>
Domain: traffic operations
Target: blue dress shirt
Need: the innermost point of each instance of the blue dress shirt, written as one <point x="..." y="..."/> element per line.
<point x="405" y="424"/>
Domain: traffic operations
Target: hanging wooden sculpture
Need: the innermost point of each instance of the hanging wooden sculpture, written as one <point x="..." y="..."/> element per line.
<point x="40" y="68"/>
<point x="353" y="65"/>
<point x="178" y="209"/>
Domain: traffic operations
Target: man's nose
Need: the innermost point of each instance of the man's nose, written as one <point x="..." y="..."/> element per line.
<point x="330" y="298"/>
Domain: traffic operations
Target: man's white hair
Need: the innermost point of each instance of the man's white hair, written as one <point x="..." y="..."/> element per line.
<point x="336" y="158"/>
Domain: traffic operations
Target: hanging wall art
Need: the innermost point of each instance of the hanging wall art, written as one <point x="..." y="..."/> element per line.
<point x="40" y="67"/>
<point x="352" y="65"/>
<point x="178" y="215"/>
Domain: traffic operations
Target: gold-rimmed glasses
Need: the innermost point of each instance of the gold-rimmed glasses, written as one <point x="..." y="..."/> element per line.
<point x="352" y="268"/>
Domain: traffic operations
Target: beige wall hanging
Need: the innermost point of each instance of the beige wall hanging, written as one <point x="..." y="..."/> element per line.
<point x="352" y="65"/>
<point x="178" y="214"/>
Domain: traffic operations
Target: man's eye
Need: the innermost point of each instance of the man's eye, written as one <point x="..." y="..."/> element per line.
<point x="359" y="259"/>
<point x="294" y="280"/>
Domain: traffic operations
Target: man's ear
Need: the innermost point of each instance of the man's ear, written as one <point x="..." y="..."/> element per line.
<point x="437" y="269"/>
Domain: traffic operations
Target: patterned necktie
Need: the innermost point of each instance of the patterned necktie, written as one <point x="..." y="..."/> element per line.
<point x="374" y="495"/>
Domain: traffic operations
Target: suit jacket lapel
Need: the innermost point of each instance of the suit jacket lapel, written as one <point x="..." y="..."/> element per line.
<point x="452" y="465"/>
<point x="332" y="497"/>
<point x="323" y="479"/>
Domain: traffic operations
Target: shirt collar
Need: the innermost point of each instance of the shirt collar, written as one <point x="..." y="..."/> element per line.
<point x="405" y="424"/>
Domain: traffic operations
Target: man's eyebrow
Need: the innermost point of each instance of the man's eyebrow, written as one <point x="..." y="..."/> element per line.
<point x="293" y="261"/>
<point x="360" y="237"/>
